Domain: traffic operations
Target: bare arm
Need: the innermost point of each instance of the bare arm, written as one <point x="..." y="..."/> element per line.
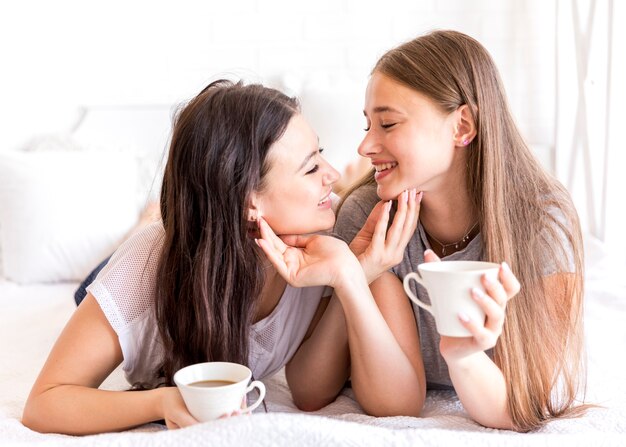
<point x="478" y="381"/>
<point x="319" y="369"/>
<point x="387" y="368"/>
<point x="65" y="398"/>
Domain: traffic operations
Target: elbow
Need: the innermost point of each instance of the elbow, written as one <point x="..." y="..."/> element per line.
<point x="30" y="418"/>
<point x="411" y="406"/>
<point x="311" y="403"/>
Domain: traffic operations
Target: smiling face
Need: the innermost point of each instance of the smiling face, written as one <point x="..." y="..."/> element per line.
<point x="410" y="141"/>
<point x="296" y="198"/>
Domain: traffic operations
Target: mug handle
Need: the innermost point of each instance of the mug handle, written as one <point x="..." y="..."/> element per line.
<point x="261" y="387"/>
<point x="409" y="292"/>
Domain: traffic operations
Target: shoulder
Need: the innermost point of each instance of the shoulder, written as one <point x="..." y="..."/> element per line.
<point x="354" y="210"/>
<point x="559" y="240"/>
<point x="125" y="287"/>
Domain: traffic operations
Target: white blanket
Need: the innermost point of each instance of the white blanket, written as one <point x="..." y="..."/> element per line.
<point x="31" y="318"/>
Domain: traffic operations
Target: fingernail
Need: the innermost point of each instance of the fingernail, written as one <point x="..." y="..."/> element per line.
<point x="412" y="194"/>
<point x="256" y="241"/>
<point x="428" y="251"/>
<point x="405" y="196"/>
<point x="478" y="294"/>
<point x="489" y="280"/>
<point x="464" y="318"/>
<point x="388" y="206"/>
<point x="419" y="196"/>
<point x="506" y="267"/>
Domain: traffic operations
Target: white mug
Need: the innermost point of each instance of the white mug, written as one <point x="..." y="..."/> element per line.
<point x="449" y="285"/>
<point x="208" y="403"/>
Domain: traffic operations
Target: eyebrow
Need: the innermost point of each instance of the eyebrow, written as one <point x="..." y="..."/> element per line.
<point x="381" y="109"/>
<point x="307" y="158"/>
<point x="311" y="155"/>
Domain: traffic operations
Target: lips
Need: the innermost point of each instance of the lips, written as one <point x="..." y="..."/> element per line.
<point x="325" y="201"/>
<point x="383" y="168"/>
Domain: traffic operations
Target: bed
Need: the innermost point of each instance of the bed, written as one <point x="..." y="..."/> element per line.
<point x="38" y="299"/>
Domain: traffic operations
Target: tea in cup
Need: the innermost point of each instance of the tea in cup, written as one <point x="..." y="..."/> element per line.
<point x="214" y="389"/>
<point x="449" y="285"/>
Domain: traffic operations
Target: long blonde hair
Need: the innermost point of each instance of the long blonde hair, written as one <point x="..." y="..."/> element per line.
<point x="526" y="217"/>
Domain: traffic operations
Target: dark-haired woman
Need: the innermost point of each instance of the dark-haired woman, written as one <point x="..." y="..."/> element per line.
<point x="196" y="287"/>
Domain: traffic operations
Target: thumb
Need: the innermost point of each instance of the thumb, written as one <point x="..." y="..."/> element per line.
<point x="430" y="256"/>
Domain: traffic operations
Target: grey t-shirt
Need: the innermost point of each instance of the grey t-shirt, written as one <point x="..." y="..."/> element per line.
<point x="350" y="219"/>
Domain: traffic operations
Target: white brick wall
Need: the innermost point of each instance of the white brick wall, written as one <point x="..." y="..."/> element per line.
<point x="64" y="53"/>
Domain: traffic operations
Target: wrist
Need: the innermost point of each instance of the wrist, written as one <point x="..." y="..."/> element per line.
<point x="461" y="362"/>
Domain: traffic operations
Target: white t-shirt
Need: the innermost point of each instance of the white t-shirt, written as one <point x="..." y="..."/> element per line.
<point x="125" y="290"/>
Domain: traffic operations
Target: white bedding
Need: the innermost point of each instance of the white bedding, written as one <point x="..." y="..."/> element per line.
<point x="31" y="318"/>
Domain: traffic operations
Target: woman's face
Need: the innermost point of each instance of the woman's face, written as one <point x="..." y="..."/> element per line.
<point x="296" y="199"/>
<point x="409" y="140"/>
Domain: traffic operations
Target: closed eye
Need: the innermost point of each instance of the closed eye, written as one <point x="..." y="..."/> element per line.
<point x="388" y="126"/>
<point x="313" y="171"/>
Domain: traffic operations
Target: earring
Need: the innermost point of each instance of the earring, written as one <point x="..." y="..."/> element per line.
<point x="465" y="142"/>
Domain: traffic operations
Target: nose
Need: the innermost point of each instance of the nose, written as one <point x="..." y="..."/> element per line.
<point x="331" y="175"/>
<point x="369" y="145"/>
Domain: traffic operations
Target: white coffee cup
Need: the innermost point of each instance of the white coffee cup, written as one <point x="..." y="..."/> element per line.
<point x="449" y="285"/>
<point x="213" y="400"/>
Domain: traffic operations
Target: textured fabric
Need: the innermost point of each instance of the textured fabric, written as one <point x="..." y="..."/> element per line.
<point x="81" y="292"/>
<point x="125" y="290"/>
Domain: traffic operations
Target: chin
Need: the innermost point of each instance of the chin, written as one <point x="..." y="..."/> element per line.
<point x="386" y="193"/>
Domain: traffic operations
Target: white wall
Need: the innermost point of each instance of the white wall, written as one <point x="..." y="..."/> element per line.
<point x="57" y="55"/>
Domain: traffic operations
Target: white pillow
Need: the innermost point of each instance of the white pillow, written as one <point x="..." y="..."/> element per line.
<point x="62" y="212"/>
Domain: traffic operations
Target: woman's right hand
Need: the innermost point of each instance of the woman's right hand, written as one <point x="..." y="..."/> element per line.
<point x="308" y="260"/>
<point x="174" y="410"/>
<point x="379" y="249"/>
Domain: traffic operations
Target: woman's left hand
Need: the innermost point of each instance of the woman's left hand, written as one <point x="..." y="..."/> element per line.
<point x="493" y="302"/>
<point x="308" y="260"/>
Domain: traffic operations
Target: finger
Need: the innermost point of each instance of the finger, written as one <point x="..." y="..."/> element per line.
<point x="483" y="337"/>
<point x="268" y="234"/>
<point x="495" y="290"/>
<point x="509" y="281"/>
<point x="395" y="231"/>
<point x="493" y="311"/>
<point x="274" y="256"/>
<point x="170" y="425"/>
<point x="430" y="256"/>
<point x="410" y="223"/>
<point x="380" y="230"/>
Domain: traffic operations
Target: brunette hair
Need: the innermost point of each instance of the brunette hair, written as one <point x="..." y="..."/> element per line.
<point x="209" y="274"/>
<point x="526" y="217"/>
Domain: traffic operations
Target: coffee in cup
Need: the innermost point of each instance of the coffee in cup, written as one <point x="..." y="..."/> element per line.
<point x="214" y="389"/>
<point x="449" y="285"/>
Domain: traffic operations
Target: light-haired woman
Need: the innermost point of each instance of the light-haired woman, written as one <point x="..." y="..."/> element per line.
<point x="438" y="121"/>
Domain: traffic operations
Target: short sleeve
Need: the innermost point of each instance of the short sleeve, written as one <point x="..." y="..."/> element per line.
<point x="125" y="287"/>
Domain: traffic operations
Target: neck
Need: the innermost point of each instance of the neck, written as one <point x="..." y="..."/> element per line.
<point x="447" y="212"/>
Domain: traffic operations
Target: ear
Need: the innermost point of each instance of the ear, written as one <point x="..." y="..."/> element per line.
<point x="464" y="128"/>
<point x="254" y="210"/>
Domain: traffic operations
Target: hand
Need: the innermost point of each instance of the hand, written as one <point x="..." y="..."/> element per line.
<point x="308" y="260"/>
<point x="493" y="302"/>
<point x="174" y="409"/>
<point x="379" y="249"/>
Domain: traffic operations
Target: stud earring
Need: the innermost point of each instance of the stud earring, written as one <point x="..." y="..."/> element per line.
<point x="465" y="142"/>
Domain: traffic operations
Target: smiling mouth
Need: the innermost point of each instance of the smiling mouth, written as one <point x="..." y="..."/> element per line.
<point x="325" y="200"/>
<point x="381" y="167"/>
